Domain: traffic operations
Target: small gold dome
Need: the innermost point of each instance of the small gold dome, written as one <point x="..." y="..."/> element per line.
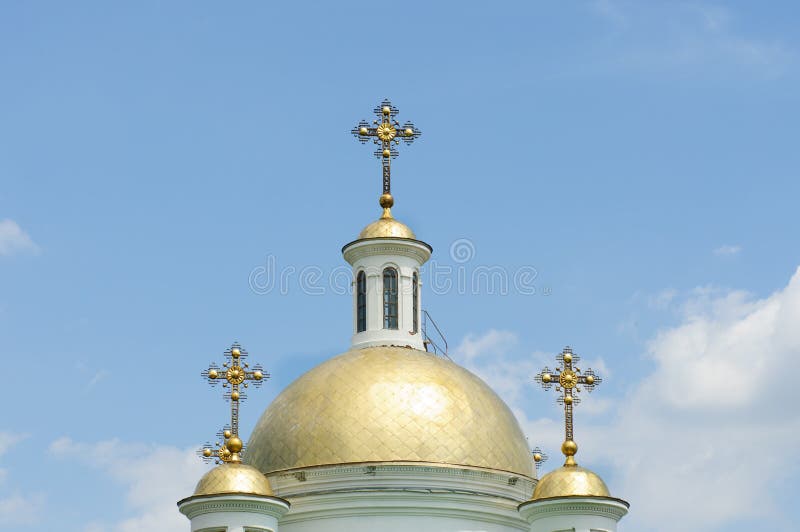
<point x="233" y="478"/>
<point x="388" y="404"/>
<point x="570" y="480"/>
<point x="387" y="228"/>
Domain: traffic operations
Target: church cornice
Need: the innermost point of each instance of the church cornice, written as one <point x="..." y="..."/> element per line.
<point x="575" y="505"/>
<point x="404" y="247"/>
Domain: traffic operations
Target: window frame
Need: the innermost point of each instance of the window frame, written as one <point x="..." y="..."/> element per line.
<point x="361" y="301"/>
<point x="391" y="317"/>
<point x="415" y="301"/>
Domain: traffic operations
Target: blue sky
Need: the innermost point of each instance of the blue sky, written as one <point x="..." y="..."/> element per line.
<point x="640" y="157"/>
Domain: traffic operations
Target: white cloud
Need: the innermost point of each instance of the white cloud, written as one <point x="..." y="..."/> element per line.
<point x="154" y="478"/>
<point x="703" y="425"/>
<point x="16" y="508"/>
<point x="495" y="357"/>
<point x="14" y="240"/>
<point x="657" y="37"/>
<point x="19" y="509"/>
<point x="611" y="11"/>
<point x="709" y="427"/>
<point x="98" y="376"/>
<point x="491" y="356"/>
<point x="6" y="439"/>
<point x="663" y="299"/>
<point x="727" y="250"/>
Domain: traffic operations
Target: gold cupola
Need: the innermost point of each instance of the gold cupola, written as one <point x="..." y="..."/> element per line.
<point x="387" y="226"/>
<point x="388" y="404"/>
<point x="570" y="480"/>
<point x="233" y="477"/>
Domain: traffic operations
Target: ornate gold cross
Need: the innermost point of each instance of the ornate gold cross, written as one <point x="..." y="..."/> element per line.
<point x="386" y="133"/>
<point x="568" y="380"/>
<point x="234" y="374"/>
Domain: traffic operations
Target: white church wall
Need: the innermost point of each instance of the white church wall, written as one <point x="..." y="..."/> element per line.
<point x="233" y="513"/>
<point x="575" y="514"/>
<point x="402" y="497"/>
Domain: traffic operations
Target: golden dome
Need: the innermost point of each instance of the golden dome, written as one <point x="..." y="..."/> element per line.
<point x="387" y="228"/>
<point x="388" y="404"/>
<point x="233" y="478"/>
<point x="570" y="480"/>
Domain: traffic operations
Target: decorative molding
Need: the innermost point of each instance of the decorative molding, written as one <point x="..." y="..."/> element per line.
<point x="415" y="467"/>
<point x="422" y="503"/>
<point x="608" y="507"/>
<point x="195" y="506"/>
<point x="398" y="476"/>
<point x="414" y="249"/>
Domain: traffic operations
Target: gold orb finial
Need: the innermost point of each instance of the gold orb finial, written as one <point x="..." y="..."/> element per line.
<point x="386" y="110"/>
<point x="236" y="352"/>
<point x="568" y="400"/>
<point x="227" y="433"/>
<point x="569" y="448"/>
<point x="234" y="395"/>
<point x="386" y="201"/>
<point x="567" y="358"/>
<point x="590" y="379"/>
<point x="207" y="452"/>
<point x="546" y="377"/>
<point x="213" y="374"/>
<point x="234" y="444"/>
<point x="363" y="130"/>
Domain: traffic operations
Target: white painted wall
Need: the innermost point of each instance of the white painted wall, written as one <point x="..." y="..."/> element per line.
<point x="578" y="514"/>
<point x="233" y="513"/>
<point x="402" y="497"/>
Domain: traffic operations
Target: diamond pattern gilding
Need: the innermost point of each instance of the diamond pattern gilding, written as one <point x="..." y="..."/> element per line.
<point x="387" y="227"/>
<point x="570" y="481"/>
<point x="233" y="478"/>
<point x="384" y="404"/>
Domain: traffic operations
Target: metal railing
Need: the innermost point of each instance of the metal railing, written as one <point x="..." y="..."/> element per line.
<point x="438" y="345"/>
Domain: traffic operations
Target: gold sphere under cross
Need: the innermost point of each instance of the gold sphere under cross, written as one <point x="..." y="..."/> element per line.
<point x="569" y="448"/>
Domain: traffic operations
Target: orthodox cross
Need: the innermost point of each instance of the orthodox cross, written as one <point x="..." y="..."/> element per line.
<point x="234" y="374"/>
<point x="386" y="133"/>
<point x="568" y="381"/>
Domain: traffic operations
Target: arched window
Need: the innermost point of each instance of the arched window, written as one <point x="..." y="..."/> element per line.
<point x="390" y="298"/>
<point x="361" y="302"/>
<point x="415" y="302"/>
